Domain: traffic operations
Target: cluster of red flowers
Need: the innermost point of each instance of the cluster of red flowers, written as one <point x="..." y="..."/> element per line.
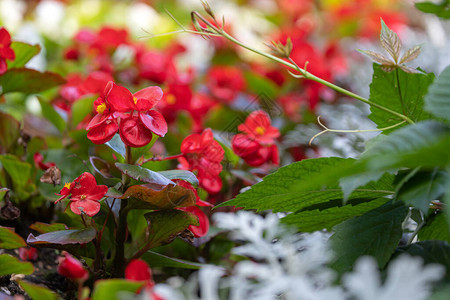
<point x="130" y="114"/>
<point x="6" y="52"/>
<point x="85" y="194"/>
<point x="256" y="145"/>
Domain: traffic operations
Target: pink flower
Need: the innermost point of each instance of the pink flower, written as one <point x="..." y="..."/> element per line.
<point x="72" y="268"/>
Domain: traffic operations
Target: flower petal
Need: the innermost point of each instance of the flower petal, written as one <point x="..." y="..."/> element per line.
<point x="134" y="133"/>
<point x="89" y="207"/>
<point x="104" y="132"/>
<point x="155" y="122"/>
<point x="148" y="97"/>
<point x="121" y="99"/>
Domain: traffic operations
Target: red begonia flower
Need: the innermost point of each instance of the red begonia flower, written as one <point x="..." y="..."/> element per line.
<point x="224" y="82"/>
<point x="203" y="227"/>
<point x="202" y="153"/>
<point x="38" y="162"/>
<point x="85" y="194"/>
<point x="6" y="52"/>
<point x="138" y="270"/>
<point x="26" y="253"/>
<point x="256" y="145"/>
<point x="133" y="132"/>
<point x="72" y="268"/>
<point x="189" y="186"/>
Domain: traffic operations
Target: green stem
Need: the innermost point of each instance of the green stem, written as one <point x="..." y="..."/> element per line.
<point x="400" y="91"/>
<point x="306" y="74"/>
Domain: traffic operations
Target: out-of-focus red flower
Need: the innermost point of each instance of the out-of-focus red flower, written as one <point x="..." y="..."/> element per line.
<point x="257" y="144"/>
<point x="26" y="253"/>
<point x="203" y="227"/>
<point x="38" y="162"/>
<point x="292" y="104"/>
<point x="203" y="154"/>
<point x="154" y="66"/>
<point x="138" y="270"/>
<point x="189" y="186"/>
<point x="131" y="114"/>
<point x="72" y="268"/>
<point x="6" y="52"/>
<point x="177" y="97"/>
<point x="85" y="194"/>
<point x="225" y="82"/>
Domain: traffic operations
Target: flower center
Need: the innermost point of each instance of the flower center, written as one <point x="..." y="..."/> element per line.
<point x="83" y="197"/>
<point x="170" y="99"/>
<point x="67" y="185"/>
<point x="135" y="100"/>
<point x="260" y="130"/>
<point x="101" y="108"/>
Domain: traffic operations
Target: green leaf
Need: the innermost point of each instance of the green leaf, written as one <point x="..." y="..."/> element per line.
<point x="431" y="252"/>
<point x="9" y="239"/>
<point x="351" y="183"/>
<point x="384" y="90"/>
<point x="165" y="225"/>
<point x="261" y="85"/>
<point x="117" y="145"/>
<point x="45" y="228"/>
<point x="422" y="188"/>
<point x="9" y="132"/>
<point x="313" y="220"/>
<point x="81" y="108"/>
<point x="19" y="171"/>
<point x="390" y="41"/>
<point x="50" y="114"/>
<point x="143" y="174"/>
<point x="159" y="260"/>
<point x="375" y="233"/>
<point x="62" y="237"/>
<point x="28" y="81"/>
<point x="180" y="174"/>
<point x="24" y="52"/>
<point x="11" y="265"/>
<point x="442" y="9"/>
<point x="437" y="100"/>
<point x="110" y="288"/>
<point x="436" y="228"/>
<point x="37" y="292"/>
<point x="301" y="185"/>
<point x="156" y="197"/>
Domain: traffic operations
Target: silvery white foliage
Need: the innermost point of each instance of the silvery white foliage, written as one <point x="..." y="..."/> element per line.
<point x="289" y="266"/>
<point x="407" y="279"/>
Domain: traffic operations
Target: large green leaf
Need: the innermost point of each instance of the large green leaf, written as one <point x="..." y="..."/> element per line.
<point x="422" y="188"/>
<point x="165" y="225"/>
<point x="436" y="228"/>
<point x="308" y="183"/>
<point x="28" y="81"/>
<point x="180" y="174"/>
<point x="110" y="288"/>
<point x="437" y="100"/>
<point x="11" y="265"/>
<point x="50" y="114"/>
<point x="81" y="108"/>
<point x="19" y="171"/>
<point x="24" y="52"/>
<point x="10" y="240"/>
<point x="375" y="233"/>
<point x="62" y="237"/>
<point x="38" y="292"/>
<point x="385" y="91"/>
<point x="313" y="220"/>
<point x="440" y="9"/>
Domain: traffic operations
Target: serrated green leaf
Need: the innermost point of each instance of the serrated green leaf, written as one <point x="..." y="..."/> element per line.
<point x="50" y="114"/>
<point x="436" y="228"/>
<point x="390" y="41"/>
<point x="159" y="260"/>
<point x="411" y="54"/>
<point x="437" y="100"/>
<point x="165" y="225"/>
<point x="376" y="233"/>
<point x="350" y="183"/>
<point x="110" y="288"/>
<point x="11" y="265"/>
<point x="377" y="57"/>
<point x="422" y="188"/>
<point x="28" y="81"/>
<point x="10" y="240"/>
<point x="81" y="108"/>
<point x="37" y="292"/>
<point x="313" y="220"/>
<point x="301" y="185"/>
<point x="24" y="52"/>
<point x="385" y="91"/>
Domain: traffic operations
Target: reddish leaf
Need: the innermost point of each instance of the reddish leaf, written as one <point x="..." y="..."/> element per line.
<point x="28" y="81"/>
<point x="45" y="228"/>
<point x="62" y="237"/>
<point x="9" y="132"/>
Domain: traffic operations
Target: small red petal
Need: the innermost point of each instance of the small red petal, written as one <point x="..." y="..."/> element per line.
<point x="155" y="122"/>
<point x="120" y="99"/>
<point x="138" y="270"/>
<point x="103" y="132"/>
<point x="148" y="97"/>
<point x="134" y="133"/>
<point x="72" y="268"/>
<point x="89" y="207"/>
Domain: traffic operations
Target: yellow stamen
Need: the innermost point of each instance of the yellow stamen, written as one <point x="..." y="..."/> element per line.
<point x="135" y="100"/>
<point x="260" y="130"/>
<point x="170" y="99"/>
<point x="82" y="197"/>
<point x="101" y="108"/>
<point x="67" y="185"/>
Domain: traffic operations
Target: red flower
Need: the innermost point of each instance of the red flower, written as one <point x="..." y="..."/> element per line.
<point x="28" y="253"/>
<point x="85" y="194"/>
<point x="131" y="114"/>
<point x="138" y="270"/>
<point x="38" y="162"/>
<point x="203" y="227"/>
<point x="202" y="153"/>
<point x="6" y="52"/>
<point x="72" y="268"/>
<point x="225" y="82"/>
<point x="257" y="144"/>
